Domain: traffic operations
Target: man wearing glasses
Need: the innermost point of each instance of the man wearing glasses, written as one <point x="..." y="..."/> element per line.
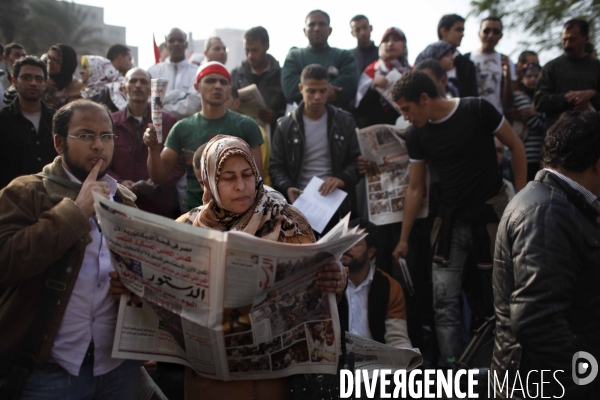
<point x="47" y="224"/>
<point x="25" y="124"/>
<point x="495" y="71"/>
<point x="213" y="83"/>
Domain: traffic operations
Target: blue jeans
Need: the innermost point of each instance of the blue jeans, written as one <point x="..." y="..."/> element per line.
<point x="50" y="381"/>
<point x="447" y="285"/>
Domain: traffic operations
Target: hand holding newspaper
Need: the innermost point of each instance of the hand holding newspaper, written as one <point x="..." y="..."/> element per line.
<point x="319" y="209"/>
<point x="384" y="146"/>
<point x="227" y="304"/>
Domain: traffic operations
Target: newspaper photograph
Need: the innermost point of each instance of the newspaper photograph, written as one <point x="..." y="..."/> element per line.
<point x="227" y="304"/>
<point x="387" y="180"/>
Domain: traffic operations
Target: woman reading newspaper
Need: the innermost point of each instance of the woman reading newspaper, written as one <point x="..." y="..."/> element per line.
<point x="235" y="200"/>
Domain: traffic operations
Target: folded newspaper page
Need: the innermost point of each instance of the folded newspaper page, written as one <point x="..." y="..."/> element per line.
<point x="371" y="355"/>
<point x="227" y="304"/>
<point x="386" y="93"/>
<point x="251" y="102"/>
<point x="387" y="181"/>
<point x="149" y="389"/>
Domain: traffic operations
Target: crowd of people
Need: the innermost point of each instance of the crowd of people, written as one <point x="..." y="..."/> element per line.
<point x="483" y="129"/>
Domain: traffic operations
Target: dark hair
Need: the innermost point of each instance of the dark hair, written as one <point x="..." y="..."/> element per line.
<point x="523" y="56"/>
<point x="11" y="46"/>
<point x="208" y="43"/>
<point x="573" y="142"/>
<point x="234" y="93"/>
<point x="257" y="33"/>
<point x="447" y="22"/>
<point x="29" y="60"/>
<point x="62" y="118"/>
<point x="492" y="18"/>
<point x="358" y="17"/>
<point x="318" y="11"/>
<point x="370" y="229"/>
<point x="433" y="65"/>
<point x="583" y="25"/>
<point x="412" y="85"/>
<point x="198" y="156"/>
<point x="314" y="71"/>
<point x="116" y="50"/>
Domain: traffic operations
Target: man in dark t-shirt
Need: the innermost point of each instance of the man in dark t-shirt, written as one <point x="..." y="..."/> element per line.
<point x="457" y="136"/>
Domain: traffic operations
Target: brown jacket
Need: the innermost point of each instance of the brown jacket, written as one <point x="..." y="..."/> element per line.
<point x="39" y="222"/>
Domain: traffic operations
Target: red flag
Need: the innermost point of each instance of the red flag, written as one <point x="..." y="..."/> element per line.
<point x="156" y="51"/>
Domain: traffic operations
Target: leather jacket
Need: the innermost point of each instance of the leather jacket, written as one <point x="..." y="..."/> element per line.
<point x="287" y="151"/>
<point x="546" y="286"/>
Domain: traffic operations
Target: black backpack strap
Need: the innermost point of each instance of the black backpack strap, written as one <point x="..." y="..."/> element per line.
<point x="60" y="181"/>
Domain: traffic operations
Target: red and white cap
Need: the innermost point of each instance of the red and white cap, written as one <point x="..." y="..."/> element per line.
<point x="213" y="67"/>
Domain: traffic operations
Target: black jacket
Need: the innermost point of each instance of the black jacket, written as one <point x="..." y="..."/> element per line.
<point x="24" y="151"/>
<point x="466" y="76"/>
<point x="287" y="151"/>
<point x="268" y="84"/>
<point x="547" y="286"/>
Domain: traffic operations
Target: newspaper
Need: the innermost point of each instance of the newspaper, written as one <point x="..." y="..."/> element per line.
<point x="386" y="93"/>
<point x="227" y="304"/>
<point x="149" y="389"/>
<point x="371" y="355"/>
<point x="251" y="102"/>
<point x="387" y="181"/>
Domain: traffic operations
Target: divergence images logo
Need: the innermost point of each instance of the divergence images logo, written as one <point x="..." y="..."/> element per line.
<point x="584" y="363"/>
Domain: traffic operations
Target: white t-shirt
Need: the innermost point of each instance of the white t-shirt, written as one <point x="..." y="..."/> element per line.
<point x="489" y="76"/>
<point x="317" y="161"/>
<point x="34" y="118"/>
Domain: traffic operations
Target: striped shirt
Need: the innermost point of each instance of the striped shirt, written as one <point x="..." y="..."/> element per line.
<point x="535" y="123"/>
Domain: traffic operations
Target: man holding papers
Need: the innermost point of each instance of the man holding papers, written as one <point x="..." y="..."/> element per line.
<point x="316" y="139"/>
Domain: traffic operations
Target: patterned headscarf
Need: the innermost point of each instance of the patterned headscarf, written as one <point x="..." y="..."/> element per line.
<point x="103" y="75"/>
<point x="436" y="51"/>
<point x="268" y="217"/>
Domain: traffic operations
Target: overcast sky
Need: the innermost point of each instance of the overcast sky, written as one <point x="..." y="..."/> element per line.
<point x="284" y="21"/>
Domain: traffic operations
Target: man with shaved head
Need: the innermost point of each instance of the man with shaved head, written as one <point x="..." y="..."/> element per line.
<point x="181" y="98"/>
<point x="130" y="155"/>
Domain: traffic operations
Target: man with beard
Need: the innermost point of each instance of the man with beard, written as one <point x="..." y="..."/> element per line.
<point x="25" y="124"/>
<point x="571" y="81"/>
<point x="50" y="241"/>
<point x="375" y="299"/>
<point x="213" y="83"/>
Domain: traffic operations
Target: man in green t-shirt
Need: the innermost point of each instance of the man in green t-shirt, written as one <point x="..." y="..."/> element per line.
<point x="214" y="85"/>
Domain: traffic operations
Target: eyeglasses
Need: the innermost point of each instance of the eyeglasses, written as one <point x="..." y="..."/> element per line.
<point x="212" y="81"/>
<point x="91" y="138"/>
<point x="496" y="31"/>
<point x="29" y="78"/>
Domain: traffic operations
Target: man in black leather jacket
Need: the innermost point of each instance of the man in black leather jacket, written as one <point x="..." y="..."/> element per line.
<point x="547" y="270"/>
<point x="316" y="139"/>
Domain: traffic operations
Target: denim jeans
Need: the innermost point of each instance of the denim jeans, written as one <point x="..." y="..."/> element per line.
<point x="50" y="381"/>
<point x="447" y="285"/>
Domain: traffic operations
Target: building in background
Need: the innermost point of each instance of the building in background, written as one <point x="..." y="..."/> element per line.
<point x="110" y="34"/>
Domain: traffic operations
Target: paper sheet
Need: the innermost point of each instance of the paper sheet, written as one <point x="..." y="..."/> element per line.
<point x="316" y="208"/>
